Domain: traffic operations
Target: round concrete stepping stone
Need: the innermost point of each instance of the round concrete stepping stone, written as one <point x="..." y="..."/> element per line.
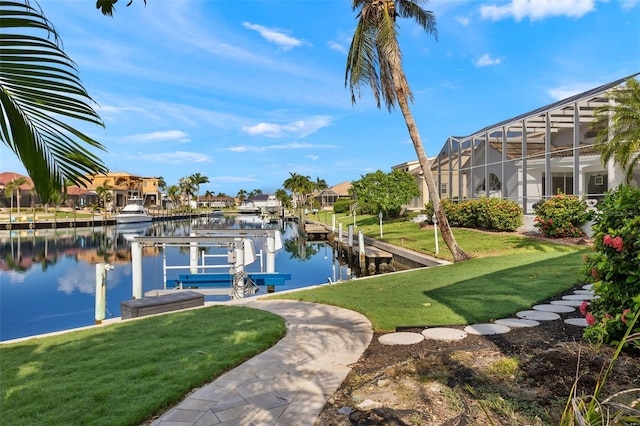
<point x="444" y="333"/>
<point x="586" y="292"/>
<point x="538" y="315"/>
<point x="554" y="308"/>
<point x="579" y="297"/>
<point x="567" y="302"/>
<point x="587" y="286"/>
<point x="486" y="329"/>
<point x="580" y="322"/>
<point x="517" y="322"/>
<point x="401" y="338"/>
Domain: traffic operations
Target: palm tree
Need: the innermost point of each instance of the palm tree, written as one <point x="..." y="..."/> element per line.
<point x="299" y="186"/>
<point x="173" y="192"/>
<point x="619" y="133"/>
<point x="197" y="179"/>
<point x="39" y="88"/>
<point x="162" y="184"/>
<point x="104" y="194"/>
<point x="187" y="189"/>
<point x="320" y="184"/>
<point x="242" y="195"/>
<point x="375" y="60"/>
<point x="10" y="188"/>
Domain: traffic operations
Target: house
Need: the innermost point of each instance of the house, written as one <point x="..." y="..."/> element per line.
<point x="264" y="203"/>
<point x="531" y="157"/>
<point x="216" y="202"/>
<point x="328" y="196"/>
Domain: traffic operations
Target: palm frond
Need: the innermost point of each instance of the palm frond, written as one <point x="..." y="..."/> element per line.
<point x="39" y="91"/>
<point x="413" y="9"/>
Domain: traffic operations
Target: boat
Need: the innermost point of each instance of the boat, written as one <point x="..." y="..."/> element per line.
<point x="133" y="212"/>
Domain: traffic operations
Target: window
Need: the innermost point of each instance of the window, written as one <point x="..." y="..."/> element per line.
<point x="494" y="184"/>
<point x="443" y="189"/>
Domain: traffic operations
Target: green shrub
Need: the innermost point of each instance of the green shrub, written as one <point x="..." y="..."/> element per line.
<point x="487" y="213"/>
<point x="498" y="214"/>
<point x="561" y="216"/>
<point x="614" y="269"/>
<point x="342" y="206"/>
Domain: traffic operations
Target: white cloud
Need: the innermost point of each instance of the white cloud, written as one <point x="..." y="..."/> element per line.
<point x="629" y="4"/>
<point x="153" y="137"/>
<point x="286" y="146"/>
<point x="336" y="46"/>
<point x="299" y="128"/>
<point x="274" y="36"/>
<point x="537" y="9"/>
<point x="175" y="157"/>
<point x="462" y="20"/>
<point x="312" y="157"/>
<point x="486" y="60"/>
<point x="563" y="92"/>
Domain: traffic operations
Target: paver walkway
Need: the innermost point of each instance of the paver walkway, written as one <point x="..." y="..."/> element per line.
<point x="289" y="383"/>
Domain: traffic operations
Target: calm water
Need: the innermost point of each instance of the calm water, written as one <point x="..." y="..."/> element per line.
<point x="47" y="277"/>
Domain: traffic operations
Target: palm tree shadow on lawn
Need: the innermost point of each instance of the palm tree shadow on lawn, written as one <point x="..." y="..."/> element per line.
<point x="511" y="290"/>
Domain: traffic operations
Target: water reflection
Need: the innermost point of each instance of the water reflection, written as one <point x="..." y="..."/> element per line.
<point x="47" y="277"/>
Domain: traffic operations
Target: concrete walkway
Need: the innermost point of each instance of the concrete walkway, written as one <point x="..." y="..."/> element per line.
<point x="289" y="383"/>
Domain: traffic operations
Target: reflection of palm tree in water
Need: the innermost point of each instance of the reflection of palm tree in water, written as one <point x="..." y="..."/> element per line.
<point x="298" y="248"/>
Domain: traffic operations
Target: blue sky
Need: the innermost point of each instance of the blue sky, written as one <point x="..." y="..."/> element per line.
<point x="246" y="92"/>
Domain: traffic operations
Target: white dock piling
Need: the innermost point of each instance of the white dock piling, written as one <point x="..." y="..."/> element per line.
<point x="193" y="255"/>
<point x="271" y="254"/>
<point x="136" y="269"/>
<point x="361" y="249"/>
<point x="101" y="292"/>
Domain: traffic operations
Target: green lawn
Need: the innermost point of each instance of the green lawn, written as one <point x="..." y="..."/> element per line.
<point x="123" y="373"/>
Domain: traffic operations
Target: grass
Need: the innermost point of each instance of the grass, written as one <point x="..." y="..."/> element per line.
<point x="474" y="291"/>
<point x="408" y="234"/>
<point x="124" y="373"/>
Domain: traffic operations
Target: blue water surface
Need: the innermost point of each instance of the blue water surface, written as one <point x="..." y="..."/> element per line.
<point x="48" y="283"/>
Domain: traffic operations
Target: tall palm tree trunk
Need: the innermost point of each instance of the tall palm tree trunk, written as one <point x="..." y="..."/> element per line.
<point x="434" y="196"/>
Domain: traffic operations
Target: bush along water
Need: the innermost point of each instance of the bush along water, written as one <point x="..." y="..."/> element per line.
<point x="614" y="268"/>
<point x="561" y="216"/>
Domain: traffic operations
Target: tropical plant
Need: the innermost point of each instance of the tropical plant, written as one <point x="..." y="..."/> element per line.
<point x="187" y="189"/>
<point x="614" y="266"/>
<point x="162" y="184"/>
<point x="173" y="193"/>
<point x="39" y="88"/>
<point x="242" y="195"/>
<point x="375" y="60"/>
<point x="104" y="194"/>
<point x="385" y="192"/>
<point x="561" y="216"/>
<point x="197" y="179"/>
<point x="618" y="131"/>
<point x="14" y="186"/>
<point x="284" y="197"/>
<point x="300" y="186"/>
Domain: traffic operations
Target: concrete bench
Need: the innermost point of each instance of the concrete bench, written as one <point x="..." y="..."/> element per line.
<point x="159" y="304"/>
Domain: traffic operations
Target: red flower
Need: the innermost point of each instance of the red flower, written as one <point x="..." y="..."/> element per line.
<point x="607" y="240"/>
<point x="623" y="318"/>
<point x="594" y="273"/>
<point x="591" y="320"/>
<point x="618" y="243"/>
<point x="583" y="307"/>
<point x="550" y="221"/>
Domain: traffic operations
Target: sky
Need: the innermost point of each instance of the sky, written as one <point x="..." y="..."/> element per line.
<point x="246" y="92"/>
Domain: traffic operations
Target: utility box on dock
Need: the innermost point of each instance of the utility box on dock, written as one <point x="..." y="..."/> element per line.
<point x="159" y="304"/>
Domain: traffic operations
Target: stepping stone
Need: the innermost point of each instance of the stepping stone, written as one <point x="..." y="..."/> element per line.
<point x="401" y="338"/>
<point x="580" y="322"/>
<point x="587" y="286"/>
<point x="517" y="322"/>
<point x="554" y="308"/>
<point x="586" y="292"/>
<point x="486" y="329"/>
<point x="567" y="302"/>
<point x="538" y="315"/>
<point x="579" y="297"/>
<point x="444" y="333"/>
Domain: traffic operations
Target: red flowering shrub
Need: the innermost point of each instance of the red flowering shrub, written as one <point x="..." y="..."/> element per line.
<point x="614" y="267"/>
<point x="561" y="216"/>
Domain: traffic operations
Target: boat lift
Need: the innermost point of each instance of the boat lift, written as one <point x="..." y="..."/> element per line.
<point x="240" y="253"/>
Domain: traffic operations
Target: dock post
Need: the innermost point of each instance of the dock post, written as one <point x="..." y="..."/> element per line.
<point x="363" y="266"/>
<point x="271" y="253"/>
<point x="350" y="242"/>
<point x="333" y="223"/>
<point x="193" y="255"/>
<point x="136" y="269"/>
<point x="101" y="292"/>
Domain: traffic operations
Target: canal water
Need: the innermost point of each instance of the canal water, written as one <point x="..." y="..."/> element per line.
<point x="47" y="277"/>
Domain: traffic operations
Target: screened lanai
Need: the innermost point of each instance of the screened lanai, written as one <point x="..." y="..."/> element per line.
<point x="533" y="156"/>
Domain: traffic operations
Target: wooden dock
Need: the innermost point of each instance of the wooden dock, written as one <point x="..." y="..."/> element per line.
<point x="372" y="255"/>
<point x="315" y="231"/>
